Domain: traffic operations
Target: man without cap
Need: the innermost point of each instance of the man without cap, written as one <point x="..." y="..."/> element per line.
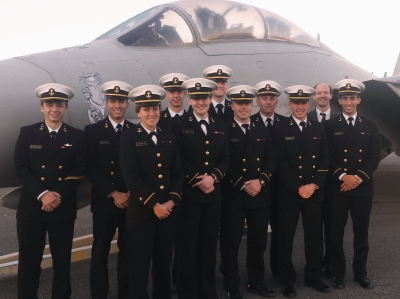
<point x="50" y="158"/>
<point x="220" y="106"/>
<point x="321" y="113"/>
<point x="109" y="196"/>
<point x="246" y="195"/>
<point x="175" y="94"/>
<point x="301" y="146"/>
<point x="203" y="146"/>
<point x="268" y="92"/>
<point x="354" y="143"/>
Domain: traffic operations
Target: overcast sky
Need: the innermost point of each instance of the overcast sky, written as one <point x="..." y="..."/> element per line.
<point x="365" y="33"/>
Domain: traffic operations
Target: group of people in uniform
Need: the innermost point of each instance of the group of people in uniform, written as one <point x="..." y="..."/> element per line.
<point x="178" y="180"/>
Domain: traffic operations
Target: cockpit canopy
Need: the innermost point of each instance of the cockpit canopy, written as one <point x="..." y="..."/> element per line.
<point x="215" y="21"/>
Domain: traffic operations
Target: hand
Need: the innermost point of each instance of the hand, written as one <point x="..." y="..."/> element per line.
<point x="306" y="191"/>
<point x="349" y="182"/>
<point x="211" y="189"/>
<point x="252" y="187"/>
<point x="120" y="199"/>
<point x="161" y="211"/>
<point x="50" y="201"/>
<point x="205" y="183"/>
<point x="169" y="204"/>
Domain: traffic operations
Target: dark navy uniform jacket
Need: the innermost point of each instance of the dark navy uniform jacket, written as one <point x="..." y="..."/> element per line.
<point x="165" y="119"/>
<point x="43" y="163"/>
<point x="303" y="158"/>
<point x="201" y="154"/>
<point x="252" y="157"/>
<point x="152" y="173"/>
<point x="103" y="168"/>
<point x="354" y="151"/>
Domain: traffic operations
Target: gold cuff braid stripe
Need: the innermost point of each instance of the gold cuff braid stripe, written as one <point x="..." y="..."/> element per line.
<point x="149" y="198"/>
<point x="193" y="178"/>
<point x="237" y="181"/>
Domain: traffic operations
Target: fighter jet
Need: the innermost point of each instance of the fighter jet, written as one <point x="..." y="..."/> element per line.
<point x="185" y="37"/>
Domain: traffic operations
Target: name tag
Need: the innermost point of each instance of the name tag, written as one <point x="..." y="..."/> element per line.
<point x="338" y="133"/>
<point x="141" y="143"/>
<point x="220" y="133"/>
<point x="235" y="140"/>
<point x="35" y="146"/>
<point x="289" y="138"/>
<point x="259" y="139"/>
<point x="316" y="138"/>
<point x="166" y="141"/>
<point x="104" y="142"/>
<point x="188" y="132"/>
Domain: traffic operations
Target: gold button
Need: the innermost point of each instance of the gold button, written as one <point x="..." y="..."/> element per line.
<point x="231" y="182"/>
<point x="258" y="159"/>
<point x="206" y="173"/>
<point x="300" y="167"/>
<point x="112" y="172"/>
<point x="187" y="176"/>
<point x="207" y="142"/>
<point x="300" y="177"/>
<point x="345" y="150"/>
<point x="60" y="166"/>
<point x="206" y="164"/>
<point x="345" y="169"/>
<point x="161" y="187"/>
<point x="158" y="155"/>
<point x="113" y="183"/>
<point x="112" y="162"/>
<point x="312" y="176"/>
<point x="42" y="178"/>
<point x="159" y="165"/>
<point x="160" y="176"/>
<point x="244" y="160"/>
<point x="244" y="169"/>
<point x="207" y="153"/>
<point x="299" y="157"/>
<point x="60" y="179"/>
<point x="43" y="166"/>
<point x="345" y="160"/>
<point x="258" y="169"/>
<point x="313" y="156"/>
<point x="360" y="150"/>
<point x="359" y="160"/>
<point x="313" y="166"/>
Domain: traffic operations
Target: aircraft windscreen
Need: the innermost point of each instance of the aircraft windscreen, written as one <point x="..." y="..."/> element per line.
<point x="225" y="20"/>
<point x="167" y="28"/>
<point x="127" y="24"/>
<point x="281" y="29"/>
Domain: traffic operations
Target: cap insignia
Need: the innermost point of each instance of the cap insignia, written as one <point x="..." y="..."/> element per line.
<point x="51" y="91"/>
<point x="348" y="85"/>
<point x="242" y="93"/>
<point x="148" y="94"/>
<point x="116" y="89"/>
<point x="198" y="86"/>
<point x="175" y="80"/>
<point x="219" y="72"/>
<point x="300" y="92"/>
<point x="267" y="87"/>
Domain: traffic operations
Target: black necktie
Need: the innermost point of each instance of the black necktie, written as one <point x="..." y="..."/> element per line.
<point x="176" y="115"/>
<point x="351" y="122"/>
<point x="151" y="134"/>
<point x="119" y="130"/>
<point x="53" y="134"/>
<point x="246" y="129"/>
<point x="269" y="121"/>
<point x="203" y="122"/>
<point x="220" y="113"/>
<point x="323" y="116"/>
<point x="303" y="125"/>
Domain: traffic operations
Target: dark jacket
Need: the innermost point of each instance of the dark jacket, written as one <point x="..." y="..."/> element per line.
<point x="201" y="154"/>
<point x="152" y="173"/>
<point x="103" y="169"/>
<point x="42" y="163"/>
<point x="165" y="119"/>
<point x="353" y="151"/>
<point x="312" y="115"/>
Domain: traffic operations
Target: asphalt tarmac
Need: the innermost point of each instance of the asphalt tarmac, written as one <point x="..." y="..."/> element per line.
<point x="383" y="262"/>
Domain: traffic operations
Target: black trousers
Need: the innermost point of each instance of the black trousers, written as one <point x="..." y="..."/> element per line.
<point x="231" y="237"/>
<point x="151" y="240"/>
<point x="197" y="235"/>
<point x="326" y="233"/>
<point x="274" y="248"/>
<point x="289" y="217"/>
<point x="360" y="210"/>
<point x="32" y="240"/>
<point x="104" y="227"/>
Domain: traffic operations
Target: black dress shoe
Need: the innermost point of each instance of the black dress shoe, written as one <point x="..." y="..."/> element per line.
<point x="364" y="282"/>
<point x="338" y="283"/>
<point x="261" y="290"/>
<point x="289" y="291"/>
<point x="235" y="295"/>
<point x="318" y="286"/>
